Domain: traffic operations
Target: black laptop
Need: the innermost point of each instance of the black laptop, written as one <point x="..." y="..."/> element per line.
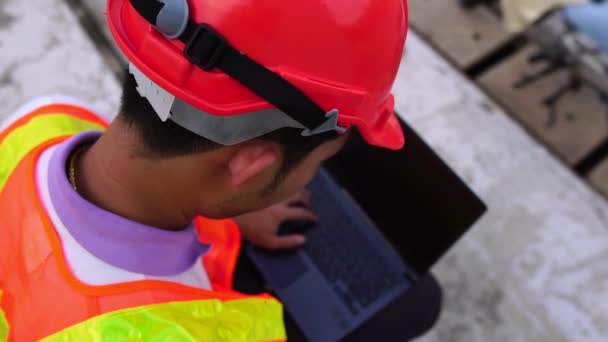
<point x="385" y="218"/>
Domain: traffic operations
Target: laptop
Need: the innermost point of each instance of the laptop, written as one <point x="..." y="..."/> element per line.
<point x="385" y="218"/>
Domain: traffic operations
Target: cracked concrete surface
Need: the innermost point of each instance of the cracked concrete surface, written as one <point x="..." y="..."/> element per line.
<point x="44" y="51"/>
<point x="6" y="19"/>
<point x="533" y="269"/>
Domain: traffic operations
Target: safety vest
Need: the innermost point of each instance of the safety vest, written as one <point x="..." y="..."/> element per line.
<point x="41" y="299"/>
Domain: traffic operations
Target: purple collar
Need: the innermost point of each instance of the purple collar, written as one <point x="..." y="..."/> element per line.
<point x="114" y="239"/>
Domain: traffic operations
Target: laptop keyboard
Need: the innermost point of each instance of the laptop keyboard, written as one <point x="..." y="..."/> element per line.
<point x="343" y="255"/>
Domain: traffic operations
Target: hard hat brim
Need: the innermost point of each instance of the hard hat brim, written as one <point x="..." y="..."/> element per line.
<point x="389" y="135"/>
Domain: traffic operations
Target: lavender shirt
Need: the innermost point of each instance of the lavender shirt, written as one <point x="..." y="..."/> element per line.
<point x="114" y="239"/>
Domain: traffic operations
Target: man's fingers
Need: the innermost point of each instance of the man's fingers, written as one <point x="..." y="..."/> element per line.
<point x="299" y="214"/>
<point x="285" y="242"/>
<point x="301" y="198"/>
<point x="305" y="197"/>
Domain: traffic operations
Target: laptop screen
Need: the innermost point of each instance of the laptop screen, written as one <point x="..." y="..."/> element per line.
<point x="415" y="199"/>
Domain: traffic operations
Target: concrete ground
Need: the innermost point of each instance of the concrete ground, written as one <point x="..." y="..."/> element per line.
<point x="533" y="269"/>
<point x="44" y="51"/>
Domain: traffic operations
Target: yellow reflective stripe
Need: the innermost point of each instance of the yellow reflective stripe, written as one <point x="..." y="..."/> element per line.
<point x="35" y="132"/>
<point x="3" y="324"/>
<point x="205" y="320"/>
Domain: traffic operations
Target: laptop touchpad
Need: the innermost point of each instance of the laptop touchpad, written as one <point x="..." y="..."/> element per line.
<point x="286" y="266"/>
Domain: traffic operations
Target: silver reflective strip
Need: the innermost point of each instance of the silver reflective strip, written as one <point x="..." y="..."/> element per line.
<point x="224" y="130"/>
<point x="159" y="99"/>
<point x="331" y="124"/>
<point x="230" y="130"/>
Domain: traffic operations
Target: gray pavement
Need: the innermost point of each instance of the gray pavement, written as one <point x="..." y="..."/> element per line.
<point x="44" y="51"/>
<point x="534" y="268"/>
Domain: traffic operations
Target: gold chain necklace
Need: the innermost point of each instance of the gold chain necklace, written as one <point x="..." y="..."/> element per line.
<point x="71" y="165"/>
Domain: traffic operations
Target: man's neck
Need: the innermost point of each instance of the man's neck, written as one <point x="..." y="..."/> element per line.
<point x="109" y="175"/>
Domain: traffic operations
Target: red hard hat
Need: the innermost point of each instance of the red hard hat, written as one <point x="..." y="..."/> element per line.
<point x="341" y="54"/>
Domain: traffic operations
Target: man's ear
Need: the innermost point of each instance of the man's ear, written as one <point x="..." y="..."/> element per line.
<point x="250" y="160"/>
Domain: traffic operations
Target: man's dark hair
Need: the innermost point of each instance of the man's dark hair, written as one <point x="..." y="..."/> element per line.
<point x="167" y="139"/>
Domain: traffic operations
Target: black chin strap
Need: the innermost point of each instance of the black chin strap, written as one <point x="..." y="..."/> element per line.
<point x="208" y="49"/>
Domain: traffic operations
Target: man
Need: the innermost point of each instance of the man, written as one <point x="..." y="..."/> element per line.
<point x="228" y="110"/>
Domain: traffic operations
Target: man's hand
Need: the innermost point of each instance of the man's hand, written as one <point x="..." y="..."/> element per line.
<point x="260" y="227"/>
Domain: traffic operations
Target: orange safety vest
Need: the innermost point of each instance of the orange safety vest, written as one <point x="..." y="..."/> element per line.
<point x="41" y="299"/>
